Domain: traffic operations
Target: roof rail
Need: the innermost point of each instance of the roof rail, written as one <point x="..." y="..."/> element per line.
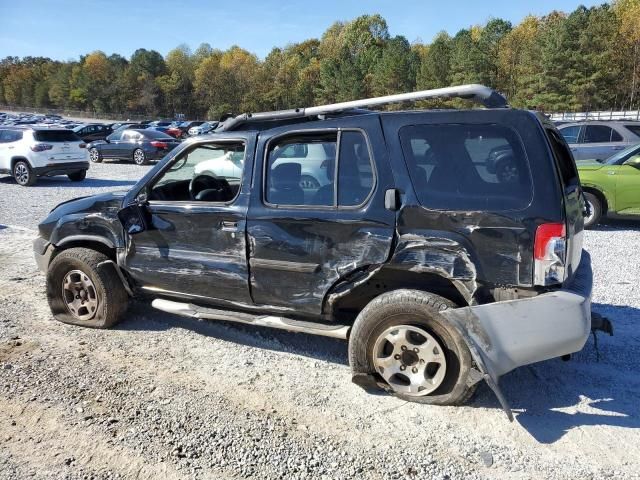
<point x="478" y="93"/>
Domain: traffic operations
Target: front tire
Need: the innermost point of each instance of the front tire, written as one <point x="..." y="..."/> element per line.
<point x="139" y="157"/>
<point x="23" y="174"/>
<point x="401" y="338"/>
<point x="595" y="208"/>
<point x="77" y="176"/>
<point x="94" y="155"/>
<point x="80" y="291"/>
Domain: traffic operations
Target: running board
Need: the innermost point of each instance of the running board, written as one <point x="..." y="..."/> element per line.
<point x="281" y="323"/>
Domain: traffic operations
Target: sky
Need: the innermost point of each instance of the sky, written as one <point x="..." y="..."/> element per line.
<point x="65" y="29"/>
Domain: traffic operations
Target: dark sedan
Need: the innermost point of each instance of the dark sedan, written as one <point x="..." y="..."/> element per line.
<point x="140" y="146"/>
<point x="92" y="132"/>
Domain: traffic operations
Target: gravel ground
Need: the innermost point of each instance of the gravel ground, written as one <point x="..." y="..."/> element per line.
<point x="166" y="397"/>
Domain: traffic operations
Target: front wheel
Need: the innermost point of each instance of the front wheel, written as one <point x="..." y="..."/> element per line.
<point x="77" y="176"/>
<point x="595" y="210"/>
<point x="23" y="174"/>
<point x="82" y="290"/>
<point x="94" y="155"/>
<point x="139" y="157"/>
<point x="402" y="338"/>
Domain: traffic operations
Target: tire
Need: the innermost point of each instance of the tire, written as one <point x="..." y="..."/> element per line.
<point x="23" y="174"/>
<point x="139" y="157"/>
<point x="77" y="176"/>
<point x="102" y="303"/>
<point x="94" y="155"/>
<point x="417" y="313"/>
<point x="595" y="206"/>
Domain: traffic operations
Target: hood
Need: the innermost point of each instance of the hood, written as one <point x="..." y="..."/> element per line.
<point x="588" y="165"/>
<point x="104" y="206"/>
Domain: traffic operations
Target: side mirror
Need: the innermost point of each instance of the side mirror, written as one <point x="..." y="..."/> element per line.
<point x="633" y="161"/>
<point x="135" y="218"/>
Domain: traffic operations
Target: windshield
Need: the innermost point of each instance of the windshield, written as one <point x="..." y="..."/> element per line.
<point x="620" y="157"/>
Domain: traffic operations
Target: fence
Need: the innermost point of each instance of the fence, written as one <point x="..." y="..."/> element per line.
<point x="609" y="115"/>
<point x="76" y="114"/>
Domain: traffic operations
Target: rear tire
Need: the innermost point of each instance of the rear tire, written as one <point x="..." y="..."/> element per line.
<point x="77" y="176"/>
<point x="139" y="157"/>
<point x="23" y="174"/>
<point x="595" y="206"/>
<point x="412" y="319"/>
<point x="80" y="291"/>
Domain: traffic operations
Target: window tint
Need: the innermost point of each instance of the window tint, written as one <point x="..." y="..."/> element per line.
<point x="302" y="170"/>
<point x="208" y="173"/>
<point x="355" y="172"/>
<point x="571" y="134"/>
<point x="635" y="129"/>
<point x="597" y="134"/>
<point x="155" y="134"/>
<point x="56" y="136"/>
<point x="467" y="167"/>
<point x="564" y="159"/>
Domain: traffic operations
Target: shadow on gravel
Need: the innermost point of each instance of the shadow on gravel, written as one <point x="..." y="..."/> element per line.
<point x="551" y="398"/>
<point x="62" y="181"/>
<point x="321" y="348"/>
<point x="612" y="225"/>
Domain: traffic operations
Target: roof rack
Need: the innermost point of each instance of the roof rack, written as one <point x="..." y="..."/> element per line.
<point x="477" y="93"/>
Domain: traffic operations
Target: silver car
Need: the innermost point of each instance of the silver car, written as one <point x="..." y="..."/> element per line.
<point x="599" y="140"/>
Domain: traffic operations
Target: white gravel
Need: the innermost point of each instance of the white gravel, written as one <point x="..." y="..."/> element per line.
<point x="166" y="397"/>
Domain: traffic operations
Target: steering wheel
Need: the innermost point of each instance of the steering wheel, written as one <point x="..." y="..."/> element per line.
<point x="202" y="182"/>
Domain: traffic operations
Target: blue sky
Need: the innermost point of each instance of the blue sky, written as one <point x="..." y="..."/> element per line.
<point x="64" y="29"/>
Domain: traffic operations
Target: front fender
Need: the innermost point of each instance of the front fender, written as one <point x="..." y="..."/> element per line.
<point x="87" y="227"/>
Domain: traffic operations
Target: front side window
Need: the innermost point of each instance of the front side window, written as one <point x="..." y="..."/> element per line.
<point x="571" y="134"/>
<point x="207" y="173"/>
<point x="467" y="167"/>
<point x="328" y="169"/>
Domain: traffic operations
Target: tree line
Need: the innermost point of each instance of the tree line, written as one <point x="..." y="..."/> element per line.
<point x="586" y="60"/>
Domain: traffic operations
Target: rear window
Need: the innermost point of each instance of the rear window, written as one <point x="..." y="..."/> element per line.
<point x="634" y="128"/>
<point x="467" y="167"/>
<point x="56" y="136"/>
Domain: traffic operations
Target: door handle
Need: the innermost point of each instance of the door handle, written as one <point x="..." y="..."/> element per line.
<point x="229" y="226"/>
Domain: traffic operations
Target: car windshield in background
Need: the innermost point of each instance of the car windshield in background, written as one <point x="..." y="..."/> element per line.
<point x="467" y="167"/>
<point x="155" y="134"/>
<point x="620" y="157"/>
<point x="56" y="136"/>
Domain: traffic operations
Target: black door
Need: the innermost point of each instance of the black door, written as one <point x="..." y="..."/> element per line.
<point x="194" y="244"/>
<point x="317" y="212"/>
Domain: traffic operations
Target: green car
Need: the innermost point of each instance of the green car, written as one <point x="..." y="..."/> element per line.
<point x="612" y="188"/>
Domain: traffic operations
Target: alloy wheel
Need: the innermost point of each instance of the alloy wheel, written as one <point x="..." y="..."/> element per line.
<point x="79" y="295"/>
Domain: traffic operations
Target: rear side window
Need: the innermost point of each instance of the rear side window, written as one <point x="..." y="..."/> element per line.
<point x="635" y="129"/>
<point x="467" y="167"/>
<point x="564" y="159"/>
<point x="598" y="134"/>
<point x="9" y="136"/>
<point x="328" y="169"/>
<point x="54" y="136"/>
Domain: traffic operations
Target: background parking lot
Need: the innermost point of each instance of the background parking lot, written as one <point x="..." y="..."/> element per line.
<point x="166" y="397"/>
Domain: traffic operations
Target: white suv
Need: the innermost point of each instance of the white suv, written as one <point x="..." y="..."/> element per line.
<point x="27" y="153"/>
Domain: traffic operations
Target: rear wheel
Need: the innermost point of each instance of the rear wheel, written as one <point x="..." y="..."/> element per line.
<point x="94" y="155"/>
<point x="139" y="157"/>
<point x="595" y="210"/>
<point x="81" y="291"/>
<point x="401" y="338"/>
<point x="77" y="176"/>
<point x="23" y="174"/>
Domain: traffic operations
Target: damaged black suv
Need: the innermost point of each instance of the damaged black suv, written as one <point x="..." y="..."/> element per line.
<point x="445" y="246"/>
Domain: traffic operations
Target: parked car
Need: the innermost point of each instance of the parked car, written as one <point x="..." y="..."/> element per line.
<point x="599" y="140"/>
<point x="175" y="132"/>
<point x="159" y="123"/>
<point x="92" y="132"/>
<point x="438" y="273"/>
<point x="203" y="128"/>
<point x="137" y="145"/>
<point x="612" y="188"/>
<point x="186" y="126"/>
<point x="27" y="153"/>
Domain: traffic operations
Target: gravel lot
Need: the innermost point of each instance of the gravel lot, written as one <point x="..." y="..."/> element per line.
<point x="166" y="397"/>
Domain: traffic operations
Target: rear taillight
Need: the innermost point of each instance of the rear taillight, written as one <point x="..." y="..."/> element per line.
<point x="41" y="147"/>
<point x="83" y="145"/>
<point x="549" y="253"/>
<point x="158" y="144"/>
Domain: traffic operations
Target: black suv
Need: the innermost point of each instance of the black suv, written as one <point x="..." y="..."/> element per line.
<point x="388" y="229"/>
